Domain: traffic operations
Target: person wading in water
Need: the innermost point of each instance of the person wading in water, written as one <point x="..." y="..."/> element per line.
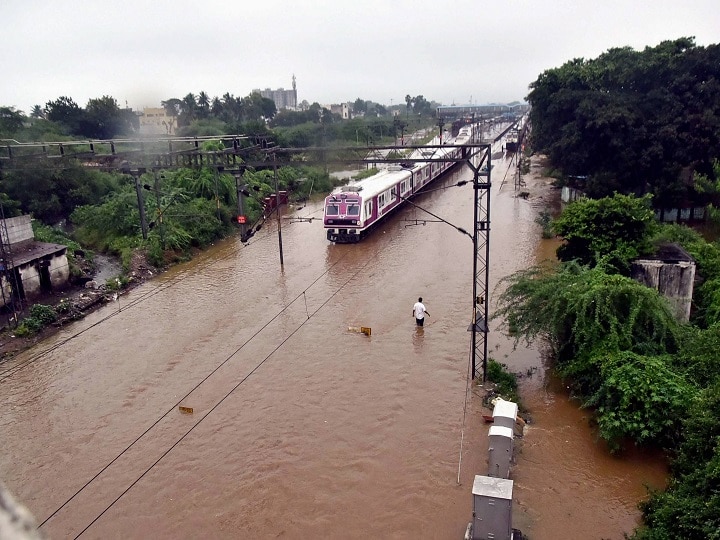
<point x="419" y="312"/>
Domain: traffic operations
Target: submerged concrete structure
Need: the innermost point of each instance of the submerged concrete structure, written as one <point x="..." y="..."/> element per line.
<point x="671" y="271"/>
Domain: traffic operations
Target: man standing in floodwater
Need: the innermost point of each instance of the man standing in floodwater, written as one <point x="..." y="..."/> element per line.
<point x="419" y="312"/>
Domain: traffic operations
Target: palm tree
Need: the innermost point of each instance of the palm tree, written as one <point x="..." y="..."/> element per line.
<point x="189" y="109"/>
<point x="203" y="101"/>
<point x="216" y="107"/>
<point x="37" y="112"/>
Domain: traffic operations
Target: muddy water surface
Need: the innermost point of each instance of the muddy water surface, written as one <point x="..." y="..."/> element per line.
<point x="301" y="428"/>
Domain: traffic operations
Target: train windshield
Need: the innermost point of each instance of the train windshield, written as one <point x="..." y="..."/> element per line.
<point x="353" y="210"/>
<point x="331" y="210"/>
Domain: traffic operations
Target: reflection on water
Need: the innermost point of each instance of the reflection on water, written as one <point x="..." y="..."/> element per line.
<point x="417" y="337"/>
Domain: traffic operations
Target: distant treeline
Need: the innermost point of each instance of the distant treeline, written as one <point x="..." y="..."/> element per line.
<point x="200" y="115"/>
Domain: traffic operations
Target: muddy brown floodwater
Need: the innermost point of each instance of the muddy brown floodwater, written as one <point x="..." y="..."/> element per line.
<point x="301" y="428"/>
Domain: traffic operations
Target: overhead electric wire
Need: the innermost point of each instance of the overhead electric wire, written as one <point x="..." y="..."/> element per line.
<point x="175" y="405"/>
<point x="212" y="409"/>
<point x="459" y="229"/>
<point x="160" y="288"/>
<point x="457" y="184"/>
<point x="467" y="391"/>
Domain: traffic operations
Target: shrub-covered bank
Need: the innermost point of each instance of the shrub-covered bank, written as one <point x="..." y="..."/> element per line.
<point x="649" y="379"/>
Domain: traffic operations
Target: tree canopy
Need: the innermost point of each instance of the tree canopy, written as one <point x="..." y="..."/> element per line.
<point x="632" y="121"/>
<point x="616" y="229"/>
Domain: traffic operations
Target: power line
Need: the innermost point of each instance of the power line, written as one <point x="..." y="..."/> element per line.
<point x="145" y="296"/>
<point x="459" y="229"/>
<point x="245" y="378"/>
<point x="175" y="405"/>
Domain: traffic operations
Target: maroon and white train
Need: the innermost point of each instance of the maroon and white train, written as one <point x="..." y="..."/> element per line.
<point x="352" y="211"/>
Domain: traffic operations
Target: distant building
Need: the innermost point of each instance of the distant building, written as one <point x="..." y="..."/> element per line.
<point x="29" y="268"/>
<point x="283" y="99"/>
<point x="343" y="109"/>
<point x="156" y="121"/>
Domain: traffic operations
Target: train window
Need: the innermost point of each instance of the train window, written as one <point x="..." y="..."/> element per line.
<point x="331" y="210"/>
<point x="353" y="210"/>
<point x="381" y="200"/>
<point x="393" y="194"/>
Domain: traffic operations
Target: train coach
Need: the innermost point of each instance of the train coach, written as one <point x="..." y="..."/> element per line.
<point x="352" y="211"/>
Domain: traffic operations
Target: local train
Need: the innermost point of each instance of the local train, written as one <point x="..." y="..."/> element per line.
<point x="352" y="211"/>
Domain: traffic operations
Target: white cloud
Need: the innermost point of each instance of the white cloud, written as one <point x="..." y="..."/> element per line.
<point x="144" y="52"/>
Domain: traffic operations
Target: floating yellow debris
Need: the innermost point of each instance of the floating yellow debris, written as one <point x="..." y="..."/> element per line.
<point x="360" y="329"/>
<point x="187" y="410"/>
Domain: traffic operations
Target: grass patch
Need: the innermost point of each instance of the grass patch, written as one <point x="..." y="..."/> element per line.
<point x="505" y="381"/>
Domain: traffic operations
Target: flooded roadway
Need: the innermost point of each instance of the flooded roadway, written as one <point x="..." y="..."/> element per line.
<point x="301" y="428"/>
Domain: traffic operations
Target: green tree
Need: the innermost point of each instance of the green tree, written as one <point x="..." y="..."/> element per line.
<point x="616" y="228"/>
<point x="11" y="120"/>
<point x="37" y="112"/>
<point x="632" y="121"/>
<point x="359" y="106"/>
<point x="172" y="106"/>
<point x="579" y="310"/>
<point x="640" y="398"/>
<point x="66" y="112"/>
<point x="690" y="506"/>
<point x="203" y="101"/>
<point x="422" y="106"/>
<point x="104" y="119"/>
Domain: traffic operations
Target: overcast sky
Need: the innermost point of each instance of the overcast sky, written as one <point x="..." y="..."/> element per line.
<point x="455" y="51"/>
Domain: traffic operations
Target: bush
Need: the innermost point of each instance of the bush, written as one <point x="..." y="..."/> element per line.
<point x="44" y="314"/>
<point x="40" y="316"/>
<point x="578" y="310"/>
<point x="640" y="398"/>
<point x="544" y="219"/>
<point x="506" y="382"/>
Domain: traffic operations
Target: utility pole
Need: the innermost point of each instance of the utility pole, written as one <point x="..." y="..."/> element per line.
<point x="241" y="191"/>
<point x="158" y="219"/>
<point x="141" y="204"/>
<point x="277" y="208"/>
<point x="481" y="267"/>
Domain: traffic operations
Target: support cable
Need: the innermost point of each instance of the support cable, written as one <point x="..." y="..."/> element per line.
<point x="230" y="392"/>
<point x="5" y="374"/>
<point x="175" y="405"/>
<point x="468" y="381"/>
<point x="459" y="229"/>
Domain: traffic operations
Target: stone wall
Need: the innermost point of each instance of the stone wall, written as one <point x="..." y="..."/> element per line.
<point x="19" y="229"/>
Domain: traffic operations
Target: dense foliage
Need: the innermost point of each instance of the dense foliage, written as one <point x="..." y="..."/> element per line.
<point x="580" y="310"/>
<point x="632" y="121"/>
<point x="649" y="379"/>
<point x="185" y="208"/>
<point x="506" y="385"/>
<point x="615" y="229"/>
<point x="50" y="191"/>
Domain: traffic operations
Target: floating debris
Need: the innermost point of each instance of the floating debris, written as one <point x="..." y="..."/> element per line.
<point x="360" y="329"/>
